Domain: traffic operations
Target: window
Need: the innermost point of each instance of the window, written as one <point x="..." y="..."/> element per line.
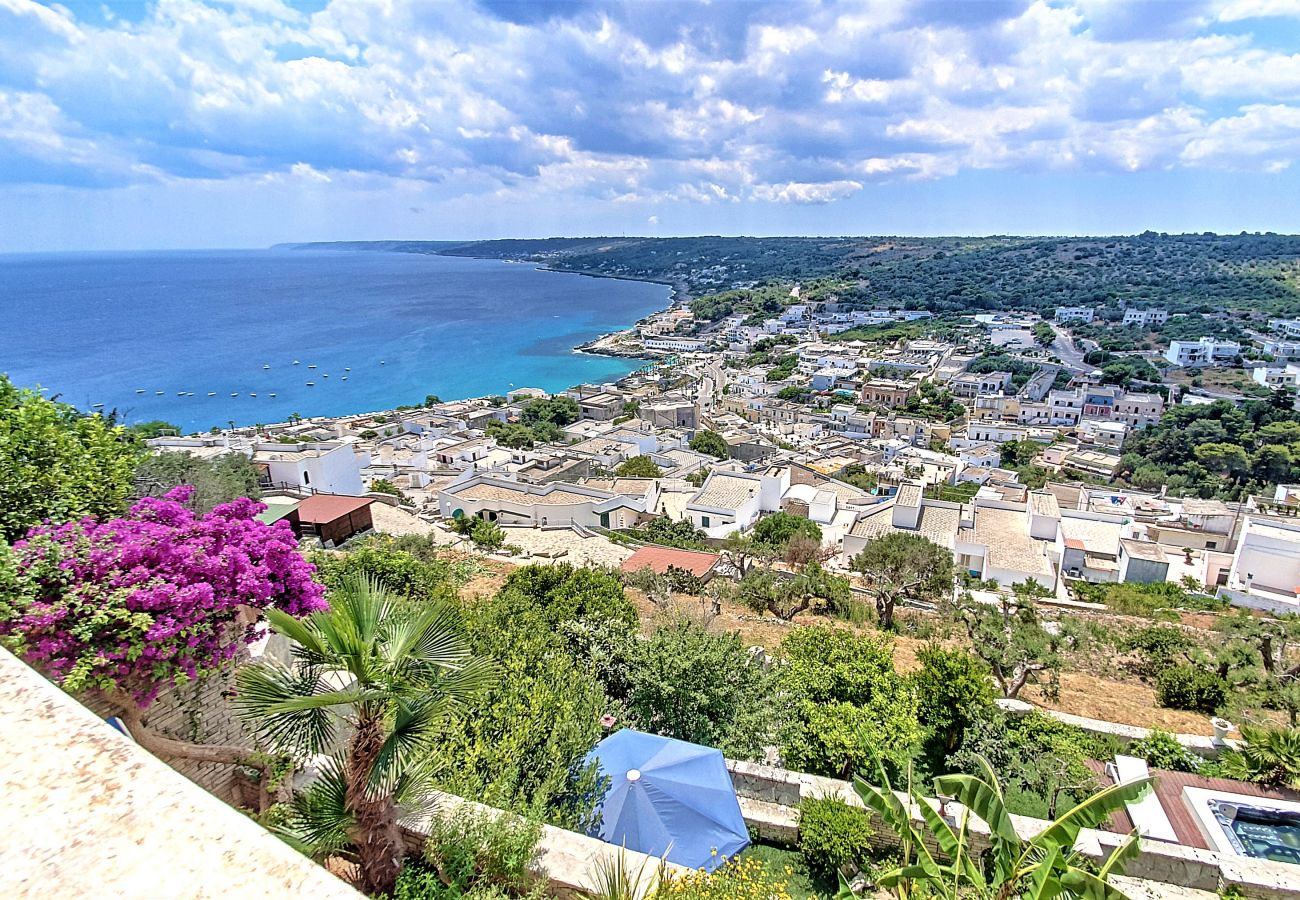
<point x="306" y="478"/>
<point x="704" y="521"/>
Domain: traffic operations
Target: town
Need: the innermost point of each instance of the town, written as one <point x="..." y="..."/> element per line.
<point x="998" y="441"/>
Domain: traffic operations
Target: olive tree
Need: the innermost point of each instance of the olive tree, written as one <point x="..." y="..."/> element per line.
<point x="902" y="566"/>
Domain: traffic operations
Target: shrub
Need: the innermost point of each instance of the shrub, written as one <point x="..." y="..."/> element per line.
<point x="488" y="535"/>
<point x="953" y="689"/>
<point x="833" y="835"/>
<point x="1161" y="750"/>
<point x="564" y="592"/>
<point x="1159" y="646"/>
<point x="471" y="855"/>
<point x="700" y="686"/>
<point x="1191" y="688"/>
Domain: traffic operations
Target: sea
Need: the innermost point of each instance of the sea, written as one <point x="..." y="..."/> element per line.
<point x="207" y="338"/>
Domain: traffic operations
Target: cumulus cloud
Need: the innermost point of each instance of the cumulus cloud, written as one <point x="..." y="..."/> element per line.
<point x="625" y="102"/>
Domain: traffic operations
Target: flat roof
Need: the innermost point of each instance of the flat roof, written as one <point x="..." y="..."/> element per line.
<point x="274" y="512"/>
<point x="89" y="813"/>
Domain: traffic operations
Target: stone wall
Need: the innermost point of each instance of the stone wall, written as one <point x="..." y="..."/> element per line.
<point x="200" y="712"/>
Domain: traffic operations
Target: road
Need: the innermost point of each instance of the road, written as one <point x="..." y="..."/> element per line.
<point x="1071" y="356"/>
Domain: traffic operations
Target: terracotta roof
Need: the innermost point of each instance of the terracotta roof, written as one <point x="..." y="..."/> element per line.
<point x="660" y="558"/>
<point x="320" y="508"/>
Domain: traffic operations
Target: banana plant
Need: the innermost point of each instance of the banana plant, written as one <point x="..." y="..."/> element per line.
<point x="1046" y="867"/>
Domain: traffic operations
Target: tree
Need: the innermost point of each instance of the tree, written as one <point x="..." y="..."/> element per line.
<point x="695" y="685"/>
<point x="153" y="428"/>
<point x="392" y="673"/>
<point x="779" y="527"/>
<point x="844" y="703"/>
<point x="559" y="666"/>
<point x="511" y="434"/>
<point x="710" y="443"/>
<point x="123" y="608"/>
<point x="1259" y="655"/>
<point x="557" y="412"/>
<point x="215" y="481"/>
<point x="787" y="595"/>
<point x="639" y="467"/>
<point x="953" y="690"/>
<point x="1048" y="865"/>
<point x="432" y="400"/>
<point x="903" y="566"/>
<point x="1009" y="637"/>
<point x="58" y="464"/>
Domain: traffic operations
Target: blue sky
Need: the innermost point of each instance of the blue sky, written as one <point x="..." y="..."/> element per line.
<point x="241" y="123"/>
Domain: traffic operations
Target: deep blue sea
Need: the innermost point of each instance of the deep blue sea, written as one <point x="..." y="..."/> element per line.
<point x="99" y="328"/>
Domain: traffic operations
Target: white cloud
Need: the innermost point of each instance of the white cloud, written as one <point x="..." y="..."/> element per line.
<point x="780" y="103"/>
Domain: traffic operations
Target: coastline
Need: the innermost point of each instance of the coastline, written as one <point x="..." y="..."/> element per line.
<point x="609" y="344"/>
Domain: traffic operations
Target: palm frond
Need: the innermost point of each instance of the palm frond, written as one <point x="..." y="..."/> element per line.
<point x="1091" y="813"/>
<point x="319" y="820"/>
<point x="264" y="690"/>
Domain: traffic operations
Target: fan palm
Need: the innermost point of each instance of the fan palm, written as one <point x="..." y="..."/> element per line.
<point x="1270" y="756"/>
<point x="1045" y="867"/>
<point x="373" y="680"/>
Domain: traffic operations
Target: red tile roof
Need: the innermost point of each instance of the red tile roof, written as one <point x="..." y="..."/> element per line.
<point x="319" y="509"/>
<point x="1075" y="544"/>
<point x="660" y="558"/>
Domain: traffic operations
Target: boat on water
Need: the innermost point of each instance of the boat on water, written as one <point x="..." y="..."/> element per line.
<point x="295" y="362"/>
<point x="96" y="406"/>
<point x="160" y="393"/>
<point x="326" y="375"/>
<point x="273" y="395"/>
<point x="311" y="384"/>
<point x="139" y="390"/>
<point x="252" y="394"/>
<point x="311" y="365"/>
<point x="347" y="368"/>
<point x="212" y="393"/>
<point x="345" y="378"/>
<point x="234" y="394"/>
<point x="265" y="366"/>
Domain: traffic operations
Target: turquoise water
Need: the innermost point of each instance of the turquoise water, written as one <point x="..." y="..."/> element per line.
<point x="98" y="328"/>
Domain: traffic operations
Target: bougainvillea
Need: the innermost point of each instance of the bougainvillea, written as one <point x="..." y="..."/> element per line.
<point x="136" y="603"/>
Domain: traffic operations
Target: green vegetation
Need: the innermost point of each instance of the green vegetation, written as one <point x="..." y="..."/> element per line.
<point x="933" y="403"/>
<point x="833" y="835"/>
<point x="679" y="533"/>
<point x="215" y="480"/>
<point x="1183" y="273"/>
<point x="1013" y="641"/>
<point x="639" y="467"/>
<point x="412" y="674"/>
<point x="475" y="857"/>
<point x="710" y="443"/>
<point x="696" y="685"/>
<point x="1217" y="450"/>
<point x="903" y="566"/>
<point x="1270" y="758"/>
<point x="58" y="463"/>
<point x="1047" y="865"/>
<point x="953" y="691"/>
<point x="845" y="703"/>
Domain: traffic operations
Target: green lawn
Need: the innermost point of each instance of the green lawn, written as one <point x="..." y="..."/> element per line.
<point x="802" y="885"/>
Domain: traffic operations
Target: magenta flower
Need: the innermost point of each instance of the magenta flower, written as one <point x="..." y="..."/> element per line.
<point x="157" y="596"/>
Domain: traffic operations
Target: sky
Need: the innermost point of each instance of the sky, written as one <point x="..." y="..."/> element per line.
<point x="242" y="123"/>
